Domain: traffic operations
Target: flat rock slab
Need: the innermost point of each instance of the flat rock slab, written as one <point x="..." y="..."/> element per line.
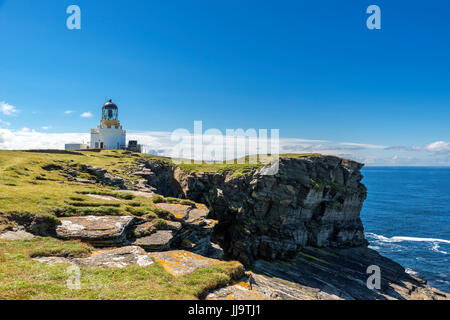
<point x="138" y="193"/>
<point x="158" y="241"/>
<point x="239" y="291"/>
<point x="101" y="197"/>
<point x="181" y="262"/>
<point x="180" y="211"/>
<point x="174" y="225"/>
<point x="262" y="287"/>
<point x="16" y="235"/>
<point x="198" y="215"/>
<point x="114" y="258"/>
<point x="96" y="230"/>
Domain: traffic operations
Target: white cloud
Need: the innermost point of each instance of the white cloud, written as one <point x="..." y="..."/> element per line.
<point x="362" y="145"/>
<point x="160" y="143"/>
<point x="68" y="111"/>
<point x="438" y="146"/>
<point x="7" y="109"/>
<point x="4" y="123"/>
<point x="46" y="127"/>
<point x="26" y="139"/>
<point x="86" y="115"/>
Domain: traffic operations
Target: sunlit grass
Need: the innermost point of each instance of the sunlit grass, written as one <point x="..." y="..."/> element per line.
<point x="23" y="278"/>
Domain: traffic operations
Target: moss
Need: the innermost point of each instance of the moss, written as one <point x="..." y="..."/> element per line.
<point x="55" y="248"/>
<point x="318" y="184"/>
<point x="161" y="224"/>
<point x="134" y="204"/>
<point x="161" y="199"/>
<point x="120" y="195"/>
<point x="77" y="199"/>
<point x="337" y="187"/>
<point x="139" y="212"/>
<point x="312" y="257"/>
<point x="29" y="216"/>
<point x="96" y="211"/>
<point x="163" y="214"/>
<point x="158" y="199"/>
<point x="92" y="204"/>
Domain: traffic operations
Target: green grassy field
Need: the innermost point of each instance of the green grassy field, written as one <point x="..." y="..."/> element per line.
<point x="26" y="188"/>
<point x="22" y="278"/>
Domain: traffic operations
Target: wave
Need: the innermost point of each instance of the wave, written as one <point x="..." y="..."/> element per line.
<point x="400" y="239"/>
<point x="411" y="272"/>
<point x="397" y="239"/>
<point x="436" y="249"/>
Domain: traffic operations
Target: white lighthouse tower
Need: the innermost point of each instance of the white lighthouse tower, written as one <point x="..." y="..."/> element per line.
<point x="109" y="134"/>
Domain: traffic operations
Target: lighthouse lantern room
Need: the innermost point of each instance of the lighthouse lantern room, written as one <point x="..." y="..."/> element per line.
<point x="109" y="134"/>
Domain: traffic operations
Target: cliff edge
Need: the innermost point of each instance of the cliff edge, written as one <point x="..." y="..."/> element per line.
<point x="312" y="200"/>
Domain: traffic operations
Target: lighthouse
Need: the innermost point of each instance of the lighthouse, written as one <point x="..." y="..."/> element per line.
<point x="109" y="134"/>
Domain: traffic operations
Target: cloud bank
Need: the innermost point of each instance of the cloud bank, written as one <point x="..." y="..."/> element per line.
<point x="160" y="143"/>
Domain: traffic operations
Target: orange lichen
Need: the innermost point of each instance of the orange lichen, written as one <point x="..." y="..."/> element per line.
<point x="245" y="285"/>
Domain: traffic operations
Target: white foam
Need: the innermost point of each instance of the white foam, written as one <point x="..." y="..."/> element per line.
<point x="420" y="239"/>
<point x="411" y="271"/>
<point x="436" y="248"/>
<point x="400" y="239"/>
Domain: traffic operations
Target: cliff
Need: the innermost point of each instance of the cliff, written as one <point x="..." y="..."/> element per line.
<point x="311" y="201"/>
<point x="299" y="230"/>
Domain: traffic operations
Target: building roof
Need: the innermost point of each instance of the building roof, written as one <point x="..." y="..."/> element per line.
<point x="110" y="105"/>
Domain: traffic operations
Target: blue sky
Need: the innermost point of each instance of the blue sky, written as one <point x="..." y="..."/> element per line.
<point x="311" y="69"/>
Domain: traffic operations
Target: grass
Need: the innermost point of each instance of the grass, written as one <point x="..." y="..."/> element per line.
<point x="161" y="199"/>
<point x="35" y="183"/>
<point x="38" y="182"/>
<point x="234" y="168"/>
<point x="26" y="186"/>
<point x="23" y="278"/>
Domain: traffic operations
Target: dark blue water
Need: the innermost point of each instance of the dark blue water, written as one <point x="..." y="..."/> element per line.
<point x="406" y="218"/>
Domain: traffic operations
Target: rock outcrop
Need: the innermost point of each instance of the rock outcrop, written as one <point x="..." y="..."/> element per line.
<point x="311" y="201"/>
<point x="113" y="258"/>
<point x="102" y="231"/>
<point x="157" y="241"/>
<point x="192" y="230"/>
<point x="16" y="235"/>
<point x="329" y="274"/>
<point x="181" y="262"/>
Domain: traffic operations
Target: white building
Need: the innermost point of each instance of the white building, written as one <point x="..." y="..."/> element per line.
<point x="76" y="146"/>
<point x="109" y="134"/>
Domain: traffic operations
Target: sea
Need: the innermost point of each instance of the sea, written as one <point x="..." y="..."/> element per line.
<point x="406" y="218"/>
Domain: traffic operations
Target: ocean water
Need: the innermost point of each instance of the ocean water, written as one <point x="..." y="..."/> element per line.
<point x="406" y="218"/>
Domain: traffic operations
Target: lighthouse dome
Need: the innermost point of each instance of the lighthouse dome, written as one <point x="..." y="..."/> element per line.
<point x="110" y="111"/>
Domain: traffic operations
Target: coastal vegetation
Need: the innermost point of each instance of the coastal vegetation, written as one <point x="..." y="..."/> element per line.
<point x="23" y="278"/>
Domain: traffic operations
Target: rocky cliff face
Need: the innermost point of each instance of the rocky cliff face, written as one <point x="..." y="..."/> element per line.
<point x="311" y="201"/>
